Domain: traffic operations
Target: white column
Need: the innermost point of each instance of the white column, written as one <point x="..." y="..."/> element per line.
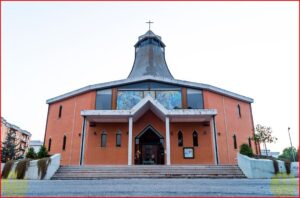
<point x="168" y="141"/>
<point x="214" y="140"/>
<point x="82" y="146"/>
<point x="130" y="141"/>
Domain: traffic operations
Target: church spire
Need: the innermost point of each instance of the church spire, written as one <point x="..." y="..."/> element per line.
<point x="150" y="57"/>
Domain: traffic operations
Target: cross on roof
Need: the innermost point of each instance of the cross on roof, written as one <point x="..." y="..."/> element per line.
<point x="149" y="22"/>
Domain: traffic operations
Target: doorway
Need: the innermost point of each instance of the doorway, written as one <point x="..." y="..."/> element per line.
<point x="149" y="147"/>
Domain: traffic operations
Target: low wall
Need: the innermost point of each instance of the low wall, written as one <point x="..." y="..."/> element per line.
<point x="32" y="171"/>
<point x="263" y="168"/>
<point x="295" y="169"/>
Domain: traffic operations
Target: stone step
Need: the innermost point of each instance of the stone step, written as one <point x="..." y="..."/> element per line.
<point x="148" y="171"/>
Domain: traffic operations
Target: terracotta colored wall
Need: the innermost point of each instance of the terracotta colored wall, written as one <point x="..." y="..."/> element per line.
<point x="111" y="154"/>
<point x="229" y="123"/>
<point x="70" y="124"/>
<point x="203" y="153"/>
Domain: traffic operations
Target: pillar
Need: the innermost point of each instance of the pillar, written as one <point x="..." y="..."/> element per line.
<point x="168" y="145"/>
<point x="214" y="139"/>
<point x="130" y="141"/>
<point x="82" y="141"/>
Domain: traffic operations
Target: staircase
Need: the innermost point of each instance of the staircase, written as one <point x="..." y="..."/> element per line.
<point x="147" y="171"/>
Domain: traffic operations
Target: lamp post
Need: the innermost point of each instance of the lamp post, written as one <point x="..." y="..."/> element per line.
<point x="291" y="144"/>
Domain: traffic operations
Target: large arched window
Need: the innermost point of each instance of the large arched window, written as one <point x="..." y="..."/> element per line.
<point x="49" y="144"/>
<point x="195" y="138"/>
<point x="64" y="142"/>
<point x="180" y="138"/>
<point x="103" y="139"/>
<point x="234" y="142"/>
<point x="118" y="138"/>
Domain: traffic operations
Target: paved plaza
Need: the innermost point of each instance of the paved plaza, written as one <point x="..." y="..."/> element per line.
<point x="151" y="187"/>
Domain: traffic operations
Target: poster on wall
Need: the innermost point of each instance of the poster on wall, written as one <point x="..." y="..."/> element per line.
<point x="188" y="153"/>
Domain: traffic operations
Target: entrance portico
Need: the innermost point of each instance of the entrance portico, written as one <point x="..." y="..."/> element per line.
<point x="166" y="116"/>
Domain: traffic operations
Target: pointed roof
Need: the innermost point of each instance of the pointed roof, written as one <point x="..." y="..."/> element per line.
<point x="150" y="57"/>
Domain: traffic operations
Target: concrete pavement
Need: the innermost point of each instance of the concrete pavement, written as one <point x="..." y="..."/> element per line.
<point x="152" y="187"/>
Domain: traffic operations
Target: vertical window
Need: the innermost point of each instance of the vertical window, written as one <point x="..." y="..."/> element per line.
<point x="239" y="110"/>
<point x="194" y="99"/>
<point x="104" y="99"/>
<point x="49" y="144"/>
<point x="195" y="138"/>
<point x="103" y="139"/>
<point x="118" y="139"/>
<point x="64" y="142"/>
<point x="234" y="142"/>
<point x="180" y="139"/>
<point x="60" y="111"/>
<point x="249" y="142"/>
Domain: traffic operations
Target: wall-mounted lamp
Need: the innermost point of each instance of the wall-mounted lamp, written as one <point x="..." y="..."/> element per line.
<point x="95" y="133"/>
<point x="79" y="134"/>
<point x="219" y="134"/>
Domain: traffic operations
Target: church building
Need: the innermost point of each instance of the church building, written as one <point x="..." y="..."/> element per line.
<point x="149" y="118"/>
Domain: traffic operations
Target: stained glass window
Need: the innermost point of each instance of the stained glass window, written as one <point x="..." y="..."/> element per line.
<point x="127" y="99"/>
<point x="169" y="99"/>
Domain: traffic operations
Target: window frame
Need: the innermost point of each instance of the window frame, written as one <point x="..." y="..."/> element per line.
<point x="103" y="141"/>
<point x="60" y="111"/>
<point x="180" y="138"/>
<point x="234" y="142"/>
<point x="195" y="140"/>
<point x="119" y="134"/>
<point x="49" y="144"/>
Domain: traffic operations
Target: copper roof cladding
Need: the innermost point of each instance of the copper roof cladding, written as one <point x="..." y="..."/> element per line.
<point x="150" y="58"/>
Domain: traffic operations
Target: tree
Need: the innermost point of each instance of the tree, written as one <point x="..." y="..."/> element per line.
<point x="246" y="150"/>
<point x="287" y="154"/>
<point x="43" y="152"/>
<point x="31" y="154"/>
<point x="263" y="135"/>
<point x="10" y="148"/>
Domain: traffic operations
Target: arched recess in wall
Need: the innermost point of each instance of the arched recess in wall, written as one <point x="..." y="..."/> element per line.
<point x="180" y="138"/>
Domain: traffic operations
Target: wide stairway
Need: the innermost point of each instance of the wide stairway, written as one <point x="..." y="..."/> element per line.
<point x="147" y="171"/>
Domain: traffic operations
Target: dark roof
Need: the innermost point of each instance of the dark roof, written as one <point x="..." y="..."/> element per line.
<point x="150" y="57"/>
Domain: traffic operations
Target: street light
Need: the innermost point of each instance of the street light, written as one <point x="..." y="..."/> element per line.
<point x="291" y="144"/>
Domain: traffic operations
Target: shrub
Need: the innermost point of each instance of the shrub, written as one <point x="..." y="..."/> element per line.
<point x="31" y="154"/>
<point x="21" y="168"/>
<point x="246" y="150"/>
<point x="43" y="152"/>
<point x="43" y="166"/>
<point x="7" y="168"/>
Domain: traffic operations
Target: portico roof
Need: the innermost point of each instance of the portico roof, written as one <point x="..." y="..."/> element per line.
<point x="146" y="104"/>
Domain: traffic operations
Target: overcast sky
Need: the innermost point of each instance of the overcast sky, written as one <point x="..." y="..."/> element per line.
<point x="250" y="48"/>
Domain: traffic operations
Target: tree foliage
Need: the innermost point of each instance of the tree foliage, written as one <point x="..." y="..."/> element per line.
<point x="31" y="154"/>
<point x="10" y="148"/>
<point x="263" y="135"/>
<point x="42" y="152"/>
<point x="287" y="154"/>
<point x="246" y="150"/>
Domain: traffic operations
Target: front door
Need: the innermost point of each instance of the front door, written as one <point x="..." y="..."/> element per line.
<point x="149" y="154"/>
<point x="149" y="148"/>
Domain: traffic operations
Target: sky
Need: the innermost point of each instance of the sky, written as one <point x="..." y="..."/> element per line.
<point x="250" y="48"/>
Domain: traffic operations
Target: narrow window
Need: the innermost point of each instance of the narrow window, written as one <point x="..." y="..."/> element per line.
<point x="103" y="139"/>
<point x="59" y="112"/>
<point x="49" y="144"/>
<point x="118" y="139"/>
<point x="180" y="139"/>
<point x="195" y="138"/>
<point x="239" y="110"/>
<point x="234" y="142"/>
<point x="64" y="142"/>
<point x="249" y="142"/>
